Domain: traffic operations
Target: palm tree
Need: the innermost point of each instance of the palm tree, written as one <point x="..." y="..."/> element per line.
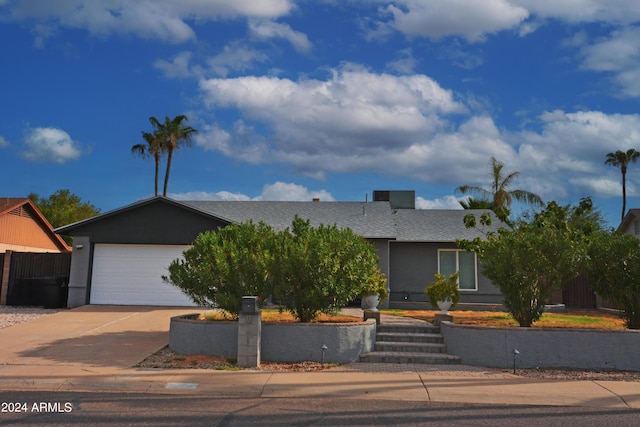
<point x="499" y="194"/>
<point x="621" y="159"/>
<point x="472" y="203"/>
<point x="173" y="135"/>
<point x="152" y="148"/>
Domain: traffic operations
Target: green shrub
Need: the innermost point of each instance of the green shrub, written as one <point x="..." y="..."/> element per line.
<point x="223" y="266"/>
<point x="308" y="270"/>
<point x="320" y="270"/>
<point x="614" y="271"/>
<point x="533" y="258"/>
<point x="443" y="288"/>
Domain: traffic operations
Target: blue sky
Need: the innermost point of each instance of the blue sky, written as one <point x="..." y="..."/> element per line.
<point x="329" y="99"/>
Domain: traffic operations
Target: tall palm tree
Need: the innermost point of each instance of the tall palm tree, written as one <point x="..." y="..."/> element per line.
<point x="621" y="159"/>
<point x="174" y="135"/>
<point x="472" y="203"/>
<point x="153" y="148"/>
<point x="499" y="194"/>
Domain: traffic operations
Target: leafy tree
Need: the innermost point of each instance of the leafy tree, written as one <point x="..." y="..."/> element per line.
<point x="500" y="193"/>
<point x="173" y="134"/>
<point x="223" y="266"/>
<point x="621" y="159"/>
<point x="62" y="208"/>
<point x="535" y="257"/>
<point x="154" y="148"/>
<point x="320" y="270"/>
<point x="614" y="270"/>
<point x="308" y="270"/>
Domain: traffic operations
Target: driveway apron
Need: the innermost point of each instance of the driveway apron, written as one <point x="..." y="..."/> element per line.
<point x="93" y="335"/>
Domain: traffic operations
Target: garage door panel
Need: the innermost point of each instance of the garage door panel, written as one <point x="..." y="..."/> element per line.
<point x="132" y="275"/>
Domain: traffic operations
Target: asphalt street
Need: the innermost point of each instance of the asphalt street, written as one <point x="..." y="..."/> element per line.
<point x="63" y="408"/>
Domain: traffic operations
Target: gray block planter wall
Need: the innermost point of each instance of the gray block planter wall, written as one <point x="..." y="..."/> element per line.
<point x="187" y="336"/>
<point x="281" y="342"/>
<point x="543" y="347"/>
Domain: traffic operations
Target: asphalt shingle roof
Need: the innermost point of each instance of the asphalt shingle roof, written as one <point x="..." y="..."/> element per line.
<point x="437" y="225"/>
<point x="371" y="220"/>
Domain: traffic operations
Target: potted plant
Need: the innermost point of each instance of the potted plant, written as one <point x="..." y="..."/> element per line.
<point x="374" y="291"/>
<point x="443" y="293"/>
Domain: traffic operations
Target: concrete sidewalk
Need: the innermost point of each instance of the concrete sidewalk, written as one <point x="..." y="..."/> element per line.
<point x="92" y="348"/>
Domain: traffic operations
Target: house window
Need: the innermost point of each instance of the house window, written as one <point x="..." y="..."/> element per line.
<point x="450" y="261"/>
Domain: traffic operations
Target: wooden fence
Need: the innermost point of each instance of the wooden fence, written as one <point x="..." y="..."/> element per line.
<point x="578" y="293"/>
<point x="19" y="266"/>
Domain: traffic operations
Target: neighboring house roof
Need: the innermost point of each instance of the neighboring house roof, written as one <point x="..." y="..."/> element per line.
<point x="373" y="220"/>
<point x="24" y="228"/>
<point x="630" y="222"/>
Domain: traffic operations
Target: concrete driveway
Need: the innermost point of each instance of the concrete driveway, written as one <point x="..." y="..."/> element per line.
<point x="92" y="335"/>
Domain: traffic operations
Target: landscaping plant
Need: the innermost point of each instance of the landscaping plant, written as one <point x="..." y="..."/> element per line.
<point x="443" y="288"/>
<point x="536" y="256"/>
<point x="614" y="271"/>
<point x="308" y="270"/>
<point x="223" y="266"/>
<point x="321" y="269"/>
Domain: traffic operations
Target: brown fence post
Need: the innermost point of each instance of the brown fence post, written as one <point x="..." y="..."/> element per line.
<point x="4" y="289"/>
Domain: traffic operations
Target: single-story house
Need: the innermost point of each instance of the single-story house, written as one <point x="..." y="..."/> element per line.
<point x="23" y="228"/>
<point x="120" y="256"/>
<point x="631" y="223"/>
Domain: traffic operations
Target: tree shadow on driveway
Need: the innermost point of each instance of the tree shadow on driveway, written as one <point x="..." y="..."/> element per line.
<point x="114" y="349"/>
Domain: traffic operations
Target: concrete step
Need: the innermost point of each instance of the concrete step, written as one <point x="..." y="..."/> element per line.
<point x="408" y="337"/>
<point x="410" y="347"/>
<point x="407" y="357"/>
<point x="415" y="329"/>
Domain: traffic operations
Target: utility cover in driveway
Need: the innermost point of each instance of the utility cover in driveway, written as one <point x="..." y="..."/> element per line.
<point x="132" y="275"/>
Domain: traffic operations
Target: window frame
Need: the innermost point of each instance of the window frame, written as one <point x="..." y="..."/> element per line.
<point x="475" y="267"/>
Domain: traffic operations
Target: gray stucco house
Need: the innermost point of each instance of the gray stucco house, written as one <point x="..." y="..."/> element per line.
<point x="120" y="256"/>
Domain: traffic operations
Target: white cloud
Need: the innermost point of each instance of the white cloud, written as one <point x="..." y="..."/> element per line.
<point x="3" y="142"/>
<point x="446" y="202"/>
<point x="472" y="20"/>
<point x="405" y="64"/>
<point x="570" y="151"/>
<point x="203" y="195"/>
<point x="266" y="30"/>
<point x="619" y="55"/>
<point x="278" y="191"/>
<point x="292" y="192"/>
<point x="577" y="11"/>
<point x="165" y="20"/>
<point x="50" y="145"/>
<point x="348" y="122"/>
<point x="178" y="67"/>
<point x="235" y="57"/>
<point x="212" y="137"/>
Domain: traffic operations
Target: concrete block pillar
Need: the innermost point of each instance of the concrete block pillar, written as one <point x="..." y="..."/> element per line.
<point x="249" y="331"/>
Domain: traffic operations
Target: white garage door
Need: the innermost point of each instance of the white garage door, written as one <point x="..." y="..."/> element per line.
<point x="132" y="275"/>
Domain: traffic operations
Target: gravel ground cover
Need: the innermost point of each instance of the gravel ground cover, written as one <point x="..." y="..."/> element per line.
<point x="168" y="359"/>
<point x="12" y="315"/>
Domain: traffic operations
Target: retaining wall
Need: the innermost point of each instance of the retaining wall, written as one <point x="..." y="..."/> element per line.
<point x="543" y="347"/>
<point x="281" y="342"/>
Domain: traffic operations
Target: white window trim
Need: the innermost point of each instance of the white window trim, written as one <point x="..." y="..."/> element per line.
<point x="475" y="267"/>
